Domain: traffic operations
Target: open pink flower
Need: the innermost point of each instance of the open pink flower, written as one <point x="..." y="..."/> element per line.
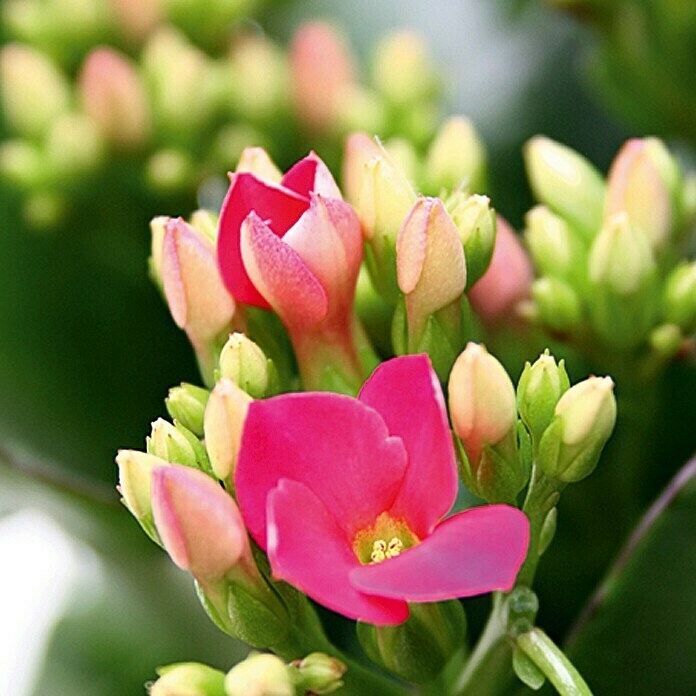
<point x="348" y="496"/>
<point x="296" y="247"/>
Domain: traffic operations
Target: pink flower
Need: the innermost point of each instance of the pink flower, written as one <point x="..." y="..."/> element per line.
<point x="296" y="247"/>
<point x="348" y="496"/>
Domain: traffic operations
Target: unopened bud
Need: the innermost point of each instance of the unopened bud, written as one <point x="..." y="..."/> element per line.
<point x="224" y="420"/>
<point x="554" y="248"/>
<point x="113" y="95"/>
<point x="22" y="164"/>
<point x="186" y="404"/>
<point x="169" y="170"/>
<point x="34" y="92"/>
<point x="137" y="18"/>
<point x="641" y="182"/>
<point x="206" y="222"/>
<point x="430" y="264"/>
<point x="358" y="150"/>
<point x="476" y="223"/>
<point x="74" y="146"/>
<point x="320" y="673"/>
<point x="583" y="421"/>
<point x="540" y="387"/>
<point x="565" y="181"/>
<point x="557" y="304"/>
<point x="456" y="158"/>
<point x="260" y="675"/>
<point x="666" y="340"/>
<point x="242" y="361"/>
<point x="188" y="679"/>
<point x="168" y="443"/>
<point x="257" y="161"/>
<point x="679" y="299"/>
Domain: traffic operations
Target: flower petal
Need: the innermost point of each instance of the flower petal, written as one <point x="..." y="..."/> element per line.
<point x="310" y="551"/>
<point x="277" y="205"/>
<point x="408" y="396"/>
<point x="336" y="446"/>
<point x="476" y="551"/>
<point x="281" y="276"/>
<point x="311" y="175"/>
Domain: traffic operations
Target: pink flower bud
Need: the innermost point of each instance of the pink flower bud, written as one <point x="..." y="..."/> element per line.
<point x="113" y="95"/>
<point x="321" y="70"/>
<point x="198" y="522"/>
<point x="507" y="281"/>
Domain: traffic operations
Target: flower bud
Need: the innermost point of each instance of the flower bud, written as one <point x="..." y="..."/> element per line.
<point x="557" y="304"/>
<point x="583" y="421"/>
<point x="320" y="673"/>
<point x="540" y="387"/>
<point x="188" y="679"/>
<point x="418" y="649"/>
<point x="168" y="443"/>
<point x="358" y="150"/>
<point x="554" y="248"/>
<point x="186" y="404"/>
<point x="640" y="183"/>
<point x="260" y="675"/>
<point x="475" y="221"/>
<point x="566" y="182"/>
<point x="666" y="340"/>
<point x="206" y="222"/>
<point x="321" y="69"/>
<point x="257" y="161"/>
<point x="74" y="146"/>
<point x="456" y="158"/>
<point x="506" y="281"/>
<point x="431" y="270"/>
<point x="169" y="170"/>
<point x="34" y="92"/>
<point x="224" y="420"/>
<point x="137" y="18"/>
<point x="402" y="69"/>
<point x="679" y="299"/>
<point x="113" y="95"/>
<point x="157" y="225"/>
<point x="243" y="362"/>
<point x="135" y="476"/>
<point x="22" y="164"/>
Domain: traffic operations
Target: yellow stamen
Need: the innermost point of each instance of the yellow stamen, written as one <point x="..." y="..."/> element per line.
<point x="381" y="550"/>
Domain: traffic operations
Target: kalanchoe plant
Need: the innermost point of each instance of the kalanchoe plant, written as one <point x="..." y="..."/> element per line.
<point x="272" y="501"/>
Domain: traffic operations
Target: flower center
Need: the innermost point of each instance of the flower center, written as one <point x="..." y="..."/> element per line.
<point x="386" y="538"/>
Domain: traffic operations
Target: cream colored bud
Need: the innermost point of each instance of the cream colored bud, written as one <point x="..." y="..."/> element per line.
<point x="260" y="675"/>
<point x="242" y="361"/>
<point x="258" y="162"/>
<point x="135" y="475"/>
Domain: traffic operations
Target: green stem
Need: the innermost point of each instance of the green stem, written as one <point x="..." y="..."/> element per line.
<point x="550" y="659"/>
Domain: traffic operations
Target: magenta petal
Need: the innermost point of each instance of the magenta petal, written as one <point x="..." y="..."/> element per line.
<point x="277" y="205"/>
<point x="310" y="551"/>
<point x="281" y="276"/>
<point x="476" y="551"/>
<point x="407" y="394"/>
<point x="336" y="446"/>
<point x="311" y="175"/>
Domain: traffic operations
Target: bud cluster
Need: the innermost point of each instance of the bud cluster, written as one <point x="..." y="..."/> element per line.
<point x="606" y="251"/>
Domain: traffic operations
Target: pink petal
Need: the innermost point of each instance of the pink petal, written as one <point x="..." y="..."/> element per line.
<point x="476" y="551"/>
<point x="310" y="551"/>
<point x="336" y="446"/>
<point x="311" y="175"/>
<point x="408" y="396"/>
<point x="279" y="206"/>
<point x="281" y="276"/>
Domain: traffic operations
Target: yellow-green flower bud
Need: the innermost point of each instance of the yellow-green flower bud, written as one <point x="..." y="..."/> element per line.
<point x="206" y="222"/>
<point x="186" y="404"/>
<point x="666" y="340"/>
<point x="260" y="675"/>
<point x="168" y="443"/>
<point x="256" y="161"/>
<point x="583" y="421"/>
<point x="456" y="158"/>
<point x="540" y="387"/>
<point x="22" y="164"/>
<point x="242" y="361"/>
<point x="188" y="679"/>
<point x="679" y="299"/>
<point x="475" y="220"/>
<point x="566" y="182"/>
<point x="74" y="146"/>
<point x="557" y="304"/>
<point x="320" y="673"/>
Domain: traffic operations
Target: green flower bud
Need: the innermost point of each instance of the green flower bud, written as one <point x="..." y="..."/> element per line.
<point x="74" y="146"/>
<point x="168" y="443"/>
<point x="419" y="648"/>
<point x="666" y="340"/>
<point x="583" y="421"/>
<point x="22" y="164"/>
<point x="456" y="158"/>
<point x="475" y="220"/>
<point x="169" y="170"/>
<point x="243" y="362"/>
<point x="260" y="675"/>
<point x="557" y="304"/>
<point x="34" y="92"/>
<point x="540" y="387"/>
<point x="555" y="249"/>
<point x="679" y="298"/>
<point x="186" y="404"/>
<point x="319" y="673"/>
<point x="566" y="182"/>
<point x="188" y="679"/>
